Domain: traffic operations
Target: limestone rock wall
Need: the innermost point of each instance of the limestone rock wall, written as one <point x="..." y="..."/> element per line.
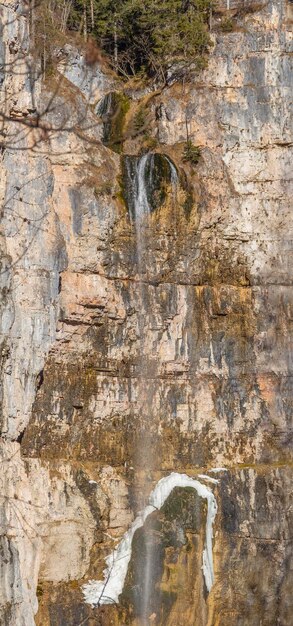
<point x="217" y="295"/>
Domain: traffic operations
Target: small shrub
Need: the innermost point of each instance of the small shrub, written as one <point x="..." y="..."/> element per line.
<point x="191" y="153"/>
<point x="227" y="24"/>
<point x="140" y="120"/>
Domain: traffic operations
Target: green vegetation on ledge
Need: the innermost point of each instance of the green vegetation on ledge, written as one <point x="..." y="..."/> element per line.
<point x="191" y="153"/>
<point x="157" y="39"/>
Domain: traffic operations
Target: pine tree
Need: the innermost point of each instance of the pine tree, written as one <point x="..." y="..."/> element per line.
<point x="157" y="38"/>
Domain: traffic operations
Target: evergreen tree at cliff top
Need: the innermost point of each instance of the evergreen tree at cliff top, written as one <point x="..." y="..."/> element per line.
<point x="157" y="38"/>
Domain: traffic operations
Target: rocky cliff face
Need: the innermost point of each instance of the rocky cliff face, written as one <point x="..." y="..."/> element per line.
<point x="214" y="295"/>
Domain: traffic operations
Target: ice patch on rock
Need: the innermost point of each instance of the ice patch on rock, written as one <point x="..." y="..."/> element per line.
<point x="208" y="478"/>
<point x="108" y="590"/>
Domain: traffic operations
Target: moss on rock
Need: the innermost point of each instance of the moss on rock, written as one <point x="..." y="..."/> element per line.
<point x="113" y="109"/>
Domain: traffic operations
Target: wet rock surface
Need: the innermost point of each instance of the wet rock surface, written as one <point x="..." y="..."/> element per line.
<point x="217" y="294"/>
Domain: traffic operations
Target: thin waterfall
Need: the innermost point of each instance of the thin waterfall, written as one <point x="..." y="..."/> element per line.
<point x="141" y="203"/>
<point x="139" y="180"/>
<point x="147" y="176"/>
<point x="144" y="177"/>
<point x="104" y="106"/>
<point x="173" y="175"/>
<point x="104" y="110"/>
<point x="143" y="185"/>
<point x="142" y="209"/>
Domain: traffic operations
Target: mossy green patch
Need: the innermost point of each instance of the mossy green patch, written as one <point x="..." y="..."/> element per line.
<point x="189" y="197"/>
<point x="113" y="110"/>
<point x="184" y="504"/>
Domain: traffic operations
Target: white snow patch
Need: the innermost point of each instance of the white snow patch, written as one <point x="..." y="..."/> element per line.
<point x="208" y="478"/>
<point x="107" y="591"/>
<point x="93" y="482"/>
<point x="218" y="469"/>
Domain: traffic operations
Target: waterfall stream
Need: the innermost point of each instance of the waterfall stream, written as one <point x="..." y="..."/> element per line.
<point x="147" y="178"/>
<point x="141" y="203"/>
<point x="104" y="110"/>
<point x="145" y="182"/>
<point x="142" y="208"/>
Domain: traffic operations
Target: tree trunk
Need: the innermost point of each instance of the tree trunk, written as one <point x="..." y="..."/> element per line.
<point x="84" y="21"/>
<point x="92" y="14"/>
<point x="115" y="47"/>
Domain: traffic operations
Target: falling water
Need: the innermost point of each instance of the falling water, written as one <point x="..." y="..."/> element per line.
<point x="139" y="179"/>
<point x="142" y="208"/>
<point x="141" y="176"/>
<point x="144" y="178"/>
<point x="104" y="106"/>
<point x="142" y="184"/>
<point x="141" y="202"/>
<point x="174" y="175"/>
<point x="104" y="110"/>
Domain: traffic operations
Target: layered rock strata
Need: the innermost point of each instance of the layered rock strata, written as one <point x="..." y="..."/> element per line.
<point x="218" y="302"/>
